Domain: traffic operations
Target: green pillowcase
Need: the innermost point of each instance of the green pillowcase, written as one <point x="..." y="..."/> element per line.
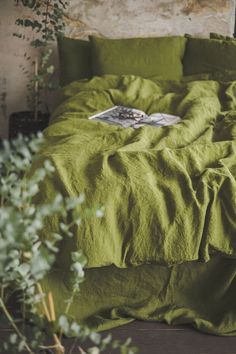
<point x="74" y="59"/>
<point x="224" y="75"/>
<point x="145" y="57"/>
<point x="214" y="35"/>
<point x="209" y="56"/>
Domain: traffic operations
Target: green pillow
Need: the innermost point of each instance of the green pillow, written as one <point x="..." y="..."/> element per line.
<point x="214" y="35"/>
<point x="144" y="57"/>
<point x="209" y="55"/>
<point x="74" y="60"/>
<point x="224" y="75"/>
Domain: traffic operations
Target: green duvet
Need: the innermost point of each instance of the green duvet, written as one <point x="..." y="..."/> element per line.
<point x="165" y="249"/>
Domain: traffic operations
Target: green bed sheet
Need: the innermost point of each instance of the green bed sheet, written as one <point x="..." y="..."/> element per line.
<point x="165" y="248"/>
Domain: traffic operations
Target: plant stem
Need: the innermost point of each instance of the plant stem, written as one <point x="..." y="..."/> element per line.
<point x="2" y="201"/>
<point x="81" y="351"/>
<point x="2" y="292"/>
<point x="51" y="307"/>
<point x="36" y="89"/>
<point x="70" y="301"/>
<point x="59" y="349"/>
<point x="11" y="320"/>
<point x="45" y="309"/>
<point x="67" y="309"/>
<point x="73" y="346"/>
<point x="46" y="21"/>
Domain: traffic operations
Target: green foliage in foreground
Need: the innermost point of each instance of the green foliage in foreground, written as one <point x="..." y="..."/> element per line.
<point x="25" y="259"/>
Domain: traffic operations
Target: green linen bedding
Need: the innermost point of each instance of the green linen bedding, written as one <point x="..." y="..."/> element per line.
<point x="165" y="248"/>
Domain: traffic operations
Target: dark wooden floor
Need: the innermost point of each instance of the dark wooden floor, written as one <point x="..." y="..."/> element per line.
<point x="156" y="338"/>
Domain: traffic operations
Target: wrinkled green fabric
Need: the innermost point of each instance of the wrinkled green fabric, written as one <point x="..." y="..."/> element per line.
<point x="201" y="294"/>
<point x="170" y="203"/>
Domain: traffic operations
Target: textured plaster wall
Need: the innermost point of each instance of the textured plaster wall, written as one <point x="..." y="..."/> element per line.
<point x="110" y="18"/>
<point x="125" y="18"/>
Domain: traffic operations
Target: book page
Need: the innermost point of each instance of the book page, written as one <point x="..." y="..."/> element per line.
<point x="131" y="117"/>
<point x="123" y="116"/>
<point x="159" y="120"/>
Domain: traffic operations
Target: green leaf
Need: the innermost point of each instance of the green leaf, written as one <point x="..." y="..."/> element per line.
<point x="49" y="166"/>
<point x="19" y="35"/>
<point x="63" y="323"/>
<point x="5" y="346"/>
<point x="78" y="269"/>
<point x="79" y="257"/>
<point x="13" y="338"/>
<point x="56" y="236"/>
<point x="75" y="328"/>
<point x="37" y="43"/>
<point x="63" y="227"/>
<point x="128" y="341"/>
<point x="94" y="350"/>
<point x="81" y="198"/>
<point x="107" y="339"/>
<point x="50" y="246"/>
<point x="95" y="338"/>
<point x="99" y="213"/>
<point x="78" y="221"/>
<point x="23" y="269"/>
<point x="21" y="345"/>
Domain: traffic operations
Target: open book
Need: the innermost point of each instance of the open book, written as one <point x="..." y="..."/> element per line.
<point x="130" y="117"/>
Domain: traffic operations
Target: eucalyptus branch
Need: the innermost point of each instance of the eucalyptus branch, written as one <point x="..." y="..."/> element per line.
<point x="47" y="24"/>
<point x="46" y="20"/>
<point x="36" y="88"/>
<point x="67" y="19"/>
<point x="50" y="315"/>
<point x="26" y="258"/>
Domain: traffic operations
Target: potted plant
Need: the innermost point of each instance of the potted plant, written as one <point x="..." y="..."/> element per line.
<point x="47" y="24"/>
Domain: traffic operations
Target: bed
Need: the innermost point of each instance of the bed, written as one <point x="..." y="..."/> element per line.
<point x="165" y="248"/>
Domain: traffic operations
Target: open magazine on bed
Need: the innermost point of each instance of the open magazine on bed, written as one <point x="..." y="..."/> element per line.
<point x="131" y="117"/>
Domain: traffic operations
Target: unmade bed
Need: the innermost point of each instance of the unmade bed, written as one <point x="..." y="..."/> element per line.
<point x="165" y="248"/>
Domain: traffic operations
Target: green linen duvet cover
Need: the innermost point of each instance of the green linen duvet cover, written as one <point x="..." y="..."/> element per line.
<point x="165" y="248"/>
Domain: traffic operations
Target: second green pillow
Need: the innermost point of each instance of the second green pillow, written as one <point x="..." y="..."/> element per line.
<point x="74" y="59"/>
<point x="145" y="57"/>
<point x="209" y="56"/>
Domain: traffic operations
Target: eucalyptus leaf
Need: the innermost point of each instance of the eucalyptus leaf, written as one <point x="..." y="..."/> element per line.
<point x="23" y="269"/>
<point x="63" y="323"/>
<point x="95" y="338"/>
<point x="94" y="350"/>
<point x="13" y="338"/>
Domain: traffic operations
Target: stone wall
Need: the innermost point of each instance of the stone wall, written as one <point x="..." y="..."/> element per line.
<point x="110" y="18"/>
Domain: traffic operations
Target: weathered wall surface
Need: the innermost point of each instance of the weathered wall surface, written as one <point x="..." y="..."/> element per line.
<point x="110" y="18"/>
<point x="125" y="18"/>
